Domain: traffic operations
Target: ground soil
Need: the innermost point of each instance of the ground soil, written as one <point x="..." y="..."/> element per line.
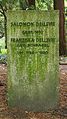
<point x="60" y="113"/>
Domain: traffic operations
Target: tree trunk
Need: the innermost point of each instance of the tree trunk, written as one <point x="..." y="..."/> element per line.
<point x="31" y="2"/>
<point x="59" y="5"/>
<point x="5" y="27"/>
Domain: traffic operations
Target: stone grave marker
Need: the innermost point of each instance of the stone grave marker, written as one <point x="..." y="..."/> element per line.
<point x="33" y="59"/>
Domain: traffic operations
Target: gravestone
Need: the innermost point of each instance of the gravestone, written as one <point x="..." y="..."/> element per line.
<point x="33" y="59"/>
